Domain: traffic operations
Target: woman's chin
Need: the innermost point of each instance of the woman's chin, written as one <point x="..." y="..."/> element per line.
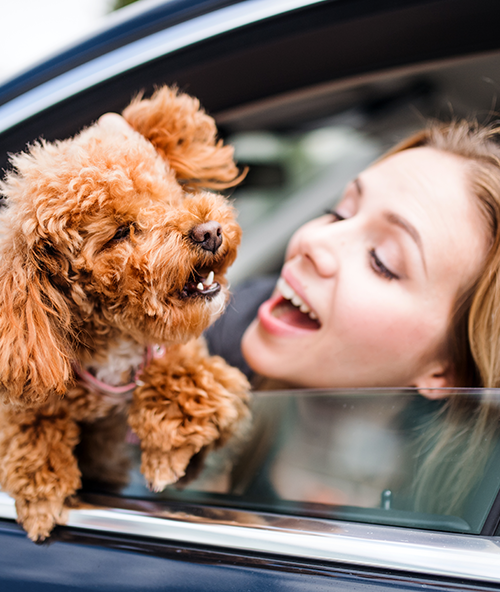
<point x="280" y="318"/>
<point x="264" y="355"/>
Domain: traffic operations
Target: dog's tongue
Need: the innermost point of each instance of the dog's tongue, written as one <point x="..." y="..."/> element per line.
<point x="287" y="313"/>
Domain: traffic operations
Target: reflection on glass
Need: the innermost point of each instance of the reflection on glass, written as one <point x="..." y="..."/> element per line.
<point x="378" y="456"/>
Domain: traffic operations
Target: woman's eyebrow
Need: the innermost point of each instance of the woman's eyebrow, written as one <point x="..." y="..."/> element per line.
<point x="402" y="223"/>
<point x="397" y="220"/>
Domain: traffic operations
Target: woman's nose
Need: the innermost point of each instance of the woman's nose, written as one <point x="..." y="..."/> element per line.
<point x="322" y="247"/>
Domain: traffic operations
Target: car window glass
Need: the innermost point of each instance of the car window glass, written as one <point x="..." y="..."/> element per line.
<point x="377" y="456"/>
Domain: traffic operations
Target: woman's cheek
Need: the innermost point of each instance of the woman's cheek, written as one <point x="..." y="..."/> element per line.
<point x="395" y="329"/>
<point x="372" y="317"/>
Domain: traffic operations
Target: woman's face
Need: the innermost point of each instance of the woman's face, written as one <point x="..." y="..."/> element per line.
<point x="379" y="277"/>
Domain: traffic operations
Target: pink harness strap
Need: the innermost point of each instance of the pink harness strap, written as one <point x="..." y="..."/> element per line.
<point x="118" y="393"/>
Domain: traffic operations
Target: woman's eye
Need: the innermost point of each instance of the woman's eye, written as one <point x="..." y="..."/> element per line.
<point x="336" y="216"/>
<point x="380" y="268"/>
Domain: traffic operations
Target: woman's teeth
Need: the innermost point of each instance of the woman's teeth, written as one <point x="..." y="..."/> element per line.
<point x="289" y="293"/>
<point x="206" y="282"/>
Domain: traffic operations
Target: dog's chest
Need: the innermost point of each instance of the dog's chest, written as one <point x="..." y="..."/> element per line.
<point x="120" y="364"/>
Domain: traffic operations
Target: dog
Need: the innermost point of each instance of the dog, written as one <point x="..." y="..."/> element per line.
<point x="113" y="252"/>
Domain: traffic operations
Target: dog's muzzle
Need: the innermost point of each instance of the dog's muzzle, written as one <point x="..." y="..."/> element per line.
<point x="202" y="287"/>
<point x="207" y="235"/>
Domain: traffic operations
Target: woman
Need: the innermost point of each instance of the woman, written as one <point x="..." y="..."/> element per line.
<point x="398" y="283"/>
<point x="398" y="286"/>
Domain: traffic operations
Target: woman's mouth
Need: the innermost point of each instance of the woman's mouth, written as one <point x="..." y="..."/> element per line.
<point x="295" y="300"/>
<point x="286" y="314"/>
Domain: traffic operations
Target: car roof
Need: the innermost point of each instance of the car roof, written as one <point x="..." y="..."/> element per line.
<point x="116" y="30"/>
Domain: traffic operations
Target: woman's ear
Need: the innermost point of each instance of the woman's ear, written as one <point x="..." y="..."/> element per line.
<point x="436" y="376"/>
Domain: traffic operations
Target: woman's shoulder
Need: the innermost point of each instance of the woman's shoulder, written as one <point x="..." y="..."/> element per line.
<point x="224" y="336"/>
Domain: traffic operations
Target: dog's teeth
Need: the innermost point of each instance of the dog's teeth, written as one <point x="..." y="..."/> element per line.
<point x="210" y="279"/>
<point x="200" y="286"/>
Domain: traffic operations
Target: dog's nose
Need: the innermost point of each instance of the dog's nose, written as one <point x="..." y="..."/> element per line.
<point x="208" y="235"/>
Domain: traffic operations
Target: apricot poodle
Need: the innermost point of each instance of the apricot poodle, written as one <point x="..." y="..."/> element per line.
<point x="113" y="256"/>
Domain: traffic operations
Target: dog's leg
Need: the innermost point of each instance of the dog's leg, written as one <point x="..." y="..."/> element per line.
<point x="189" y="400"/>
<point x="38" y="467"/>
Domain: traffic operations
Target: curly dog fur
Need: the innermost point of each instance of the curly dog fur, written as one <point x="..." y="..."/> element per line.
<point x="103" y="252"/>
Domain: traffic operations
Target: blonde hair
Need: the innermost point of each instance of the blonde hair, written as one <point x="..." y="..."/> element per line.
<point x="475" y="332"/>
<point x="465" y="430"/>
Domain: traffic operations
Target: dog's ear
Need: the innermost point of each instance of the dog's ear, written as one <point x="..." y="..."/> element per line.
<point x="34" y="358"/>
<point x="186" y="137"/>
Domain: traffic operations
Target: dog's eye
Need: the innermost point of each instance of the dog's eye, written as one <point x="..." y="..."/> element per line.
<point x="121" y="233"/>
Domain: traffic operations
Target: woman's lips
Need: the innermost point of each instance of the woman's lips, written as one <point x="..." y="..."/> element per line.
<point x="280" y="317"/>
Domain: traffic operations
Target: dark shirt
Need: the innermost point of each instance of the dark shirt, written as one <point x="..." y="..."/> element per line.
<point x="224" y="336"/>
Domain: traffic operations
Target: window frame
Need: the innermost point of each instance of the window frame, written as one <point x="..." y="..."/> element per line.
<point x="431" y="553"/>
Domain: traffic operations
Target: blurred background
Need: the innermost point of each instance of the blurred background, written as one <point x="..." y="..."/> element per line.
<point x="307" y="104"/>
<point x="34" y="29"/>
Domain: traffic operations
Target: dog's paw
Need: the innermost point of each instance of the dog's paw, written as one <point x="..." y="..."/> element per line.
<point x="38" y="518"/>
<point x="162" y="468"/>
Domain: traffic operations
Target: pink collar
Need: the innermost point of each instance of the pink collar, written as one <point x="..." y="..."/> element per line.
<point x="123" y="392"/>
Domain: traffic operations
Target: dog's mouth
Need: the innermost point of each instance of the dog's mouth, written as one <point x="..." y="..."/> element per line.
<point x="201" y="285"/>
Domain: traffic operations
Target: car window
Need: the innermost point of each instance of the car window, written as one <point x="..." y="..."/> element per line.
<point x="376" y="456"/>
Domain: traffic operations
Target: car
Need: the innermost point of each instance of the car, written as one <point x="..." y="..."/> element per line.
<point x="326" y="488"/>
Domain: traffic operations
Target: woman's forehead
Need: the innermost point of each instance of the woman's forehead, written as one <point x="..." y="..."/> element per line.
<point x="421" y="180"/>
<point x="423" y="169"/>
